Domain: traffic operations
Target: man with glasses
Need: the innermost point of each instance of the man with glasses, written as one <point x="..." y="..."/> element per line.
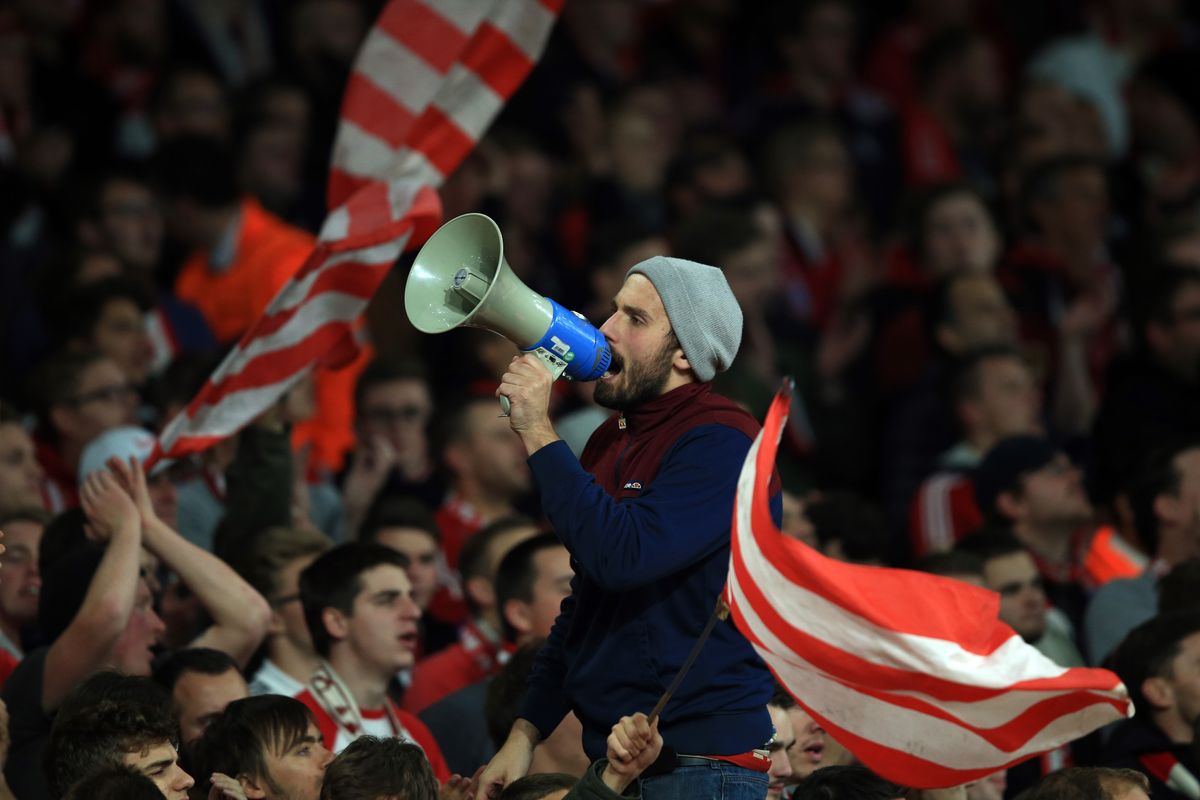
<point x="392" y="405"/>
<point x="272" y="565"/>
<point x="83" y="393"/>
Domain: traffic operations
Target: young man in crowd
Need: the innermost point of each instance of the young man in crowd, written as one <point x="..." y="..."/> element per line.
<point x="1164" y="497"/>
<point x="648" y="572"/>
<point x="533" y="579"/>
<point x="272" y="564"/>
<point x="392" y="456"/>
<point x="96" y="610"/>
<point x="82" y="394"/>
<point x="1010" y="571"/>
<point x="1159" y="662"/>
<point x="20" y="581"/>
<point x="372" y="767"/>
<point x="1030" y="487"/>
<point x="994" y="396"/>
<point x="202" y="682"/>
<point x="479" y="650"/>
<point x="487" y="475"/>
<point x="783" y="741"/>
<point x="270" y="744"/>
<point x="409" y="527"/>
<point x="358" y="605"/>
<point x="806" y="750"/>
<point x="20" y="474"/>
<point x="110" y="720"/>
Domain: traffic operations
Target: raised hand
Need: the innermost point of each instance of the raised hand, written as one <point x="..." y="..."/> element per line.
<point x="108" y="507"/>
<point x="457" y="788"/>
<point x="633" y="745"/>
<point x="225" y="788"/>
<point x="132" y="478"/>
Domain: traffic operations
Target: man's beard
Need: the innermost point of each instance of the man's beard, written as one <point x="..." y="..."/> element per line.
<point x="640" y="381"/>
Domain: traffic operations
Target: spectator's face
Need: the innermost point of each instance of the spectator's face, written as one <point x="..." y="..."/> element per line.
<point x="491" y="454"/>
<point x="1054" y="495"/>
<point x="796" y="523"/>
<point x="164" y="499"/>
<point x="550" y="588"/>
<point x="399" y="412"/>
<point x="20" y="583"/>
<point x="382" y="630"/>
<point x="131" y="223"/>
<point x="753" y="273"/>
<point x="1009" y="401"/>
<point x="981" y="81"/>
<point x="105" y="399"/>
<point x="1180" y="347"/>
<point x="829" y="39"/>
<point x="807" y="753"/>
<point x="1022" y="598"/>
<point x="639" y="152"/>
<point x="981" y="316"/>
<point x="200" y="698"/>
<point x="1183" y="680"/>
<point x="120" y="333"/>
<point x="785" y="737"/>
<point x="20" y="474"/>
<point x="133" y="650"/>
<point x="422" y="552"/>
<point x="1182" y="507"/>
<point x="296" y="774"/>
<point x="195" y="105"/>
<point x="161" y="765"/>
<point x="639" y="334"/>
<point x="288" y="618"/>
<point x="1078" y="211"/>
<point x="960" y="237"/>
<point x="826" y="176"/>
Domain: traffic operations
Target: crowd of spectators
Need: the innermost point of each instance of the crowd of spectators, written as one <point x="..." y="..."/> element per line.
<point x="969" y="229"/>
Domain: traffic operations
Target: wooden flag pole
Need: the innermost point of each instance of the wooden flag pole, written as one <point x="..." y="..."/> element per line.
<point x="721" y="613"/>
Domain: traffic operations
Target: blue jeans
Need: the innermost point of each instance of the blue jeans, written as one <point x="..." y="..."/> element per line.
<point x="715" y="780"/>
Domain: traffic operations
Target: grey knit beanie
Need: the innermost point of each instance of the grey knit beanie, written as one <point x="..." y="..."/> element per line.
<point x="703" y="312"/>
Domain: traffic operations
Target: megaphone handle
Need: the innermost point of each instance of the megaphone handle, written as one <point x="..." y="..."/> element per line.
<point x="550" y="361"/>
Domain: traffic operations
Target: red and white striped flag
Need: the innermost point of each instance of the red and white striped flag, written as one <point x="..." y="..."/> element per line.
<point x="913" y="673"/>
<point x="429" y="79"/>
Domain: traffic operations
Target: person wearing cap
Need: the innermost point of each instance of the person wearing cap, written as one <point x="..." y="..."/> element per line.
<point x="1028" y="485"/>
<point x="645" y="514"/>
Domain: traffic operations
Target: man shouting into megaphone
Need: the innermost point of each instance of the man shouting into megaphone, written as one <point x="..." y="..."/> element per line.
<point x="645" y="514"/>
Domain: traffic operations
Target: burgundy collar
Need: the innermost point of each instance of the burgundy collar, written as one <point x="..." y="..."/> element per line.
<point x="653" y="413"/>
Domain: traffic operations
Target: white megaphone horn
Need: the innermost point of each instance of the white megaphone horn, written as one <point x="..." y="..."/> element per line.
<point x="460" y="278"/>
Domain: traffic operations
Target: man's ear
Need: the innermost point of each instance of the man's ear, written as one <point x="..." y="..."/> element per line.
<point x="335" y="622"/>
<point x="251" y="787"/>
<point x="516" y="613"/>
<point x="275" y="624"/>
<point x="480" y="590"/>
<point x="1159" y="693"/>
<point x="1008" y="505"/>
<point x="680" y="362"/>
<point x="1168" y="508"/>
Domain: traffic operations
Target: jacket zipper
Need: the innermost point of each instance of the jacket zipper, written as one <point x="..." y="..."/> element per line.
<point x="621" y="457"/>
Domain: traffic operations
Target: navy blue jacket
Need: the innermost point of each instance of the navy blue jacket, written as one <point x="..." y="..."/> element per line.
<point x="646" y="517"/>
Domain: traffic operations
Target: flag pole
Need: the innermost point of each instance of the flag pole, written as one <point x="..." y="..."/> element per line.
<point x="720" y="612"/>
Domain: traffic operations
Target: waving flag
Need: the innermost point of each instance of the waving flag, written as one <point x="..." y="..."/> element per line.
<point x="429" y="79"/>
<point x="913" y="673"/>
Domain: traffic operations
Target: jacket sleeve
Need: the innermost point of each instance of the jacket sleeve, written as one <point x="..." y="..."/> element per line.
<point x="683" y="517"/>
<point x="591" y="786"/>
<point x="545" y="702"/>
